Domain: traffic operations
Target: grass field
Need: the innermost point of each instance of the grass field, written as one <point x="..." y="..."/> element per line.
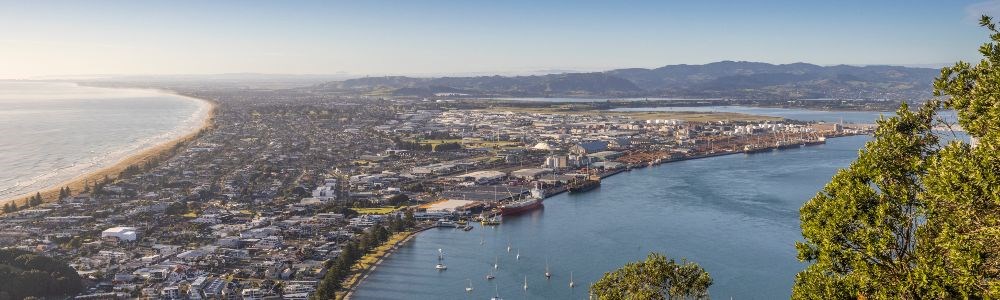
<point x="435" y="142"/>
<point x="375" y="210"/>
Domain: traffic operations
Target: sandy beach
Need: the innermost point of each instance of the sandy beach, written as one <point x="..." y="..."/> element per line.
<point x="77" y="183"/>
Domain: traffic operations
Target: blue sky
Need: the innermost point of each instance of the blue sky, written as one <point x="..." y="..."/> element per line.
<point x="459" y="37"/>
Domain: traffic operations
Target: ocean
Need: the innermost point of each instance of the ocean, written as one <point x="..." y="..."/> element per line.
<point x="52" y="132"/>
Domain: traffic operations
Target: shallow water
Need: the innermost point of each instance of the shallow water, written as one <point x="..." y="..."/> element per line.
<point x="51" y="132"/>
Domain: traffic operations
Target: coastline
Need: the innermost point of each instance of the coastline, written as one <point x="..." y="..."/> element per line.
<point x="360" y="278"/>
<point x="112" y="170"/>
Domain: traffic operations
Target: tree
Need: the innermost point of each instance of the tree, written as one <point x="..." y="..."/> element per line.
<point x="26" y="275"/>
<point x="408" y="219"/>
<point x="961" y="256"/>
<point x="910" y="218"/>
<point x="35" y="200"/>
<point x="655" y="278"/>
<point x="397" y="199"/>
<point x="328" y="287"/>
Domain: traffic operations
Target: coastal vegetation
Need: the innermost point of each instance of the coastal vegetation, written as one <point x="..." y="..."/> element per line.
<point x="24" y="274"/>
<point x="357" y="255"/>
<point x="657" y="277"/>
<point x="916" y="215"/>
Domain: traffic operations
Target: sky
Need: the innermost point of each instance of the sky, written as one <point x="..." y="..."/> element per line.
<point x="60" y="38"/>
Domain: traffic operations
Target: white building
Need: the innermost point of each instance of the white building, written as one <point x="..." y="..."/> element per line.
<point x="326" y="192"/>
<point x="120" y="234"/>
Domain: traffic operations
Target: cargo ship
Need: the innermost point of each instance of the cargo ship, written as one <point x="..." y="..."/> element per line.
<point x="583" y="185"/>
<point x="750" y="149"/>
<point x="819" y="141"/>
<point x="525" y="204"/>
<point x="782" y="145"/>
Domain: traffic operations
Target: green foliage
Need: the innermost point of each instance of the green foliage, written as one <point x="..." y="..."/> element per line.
<point x="398" y="199"/>
<point x="911" y="219"/>
<point x="35" y="200"/>
<point x="337" y="270"/>
<point x="26" y="275"/>
<point x="655" y="278"/>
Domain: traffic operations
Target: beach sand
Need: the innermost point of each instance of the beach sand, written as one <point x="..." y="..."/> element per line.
<point x="76" y="184"/>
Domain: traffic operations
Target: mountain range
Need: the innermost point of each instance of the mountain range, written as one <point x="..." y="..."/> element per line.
<point x="725" y="79"/>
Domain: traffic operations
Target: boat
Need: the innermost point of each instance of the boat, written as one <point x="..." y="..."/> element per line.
<point x="445" y="223"/>
<point x="524" y="204"/>
<point x="571" y="283"/>
<point x="462" y="222"/>
<point x="469" y="288"/>
<point x="492" y="221"/>
<point x="749" y="149"/>
<point x="440" y="265"/>
<point x="467" y="227"/>
<point x="497" y="297"/>
<point x="586" y="184"/>
<point x="782" y="145"/>
<point x="547" y="273"/>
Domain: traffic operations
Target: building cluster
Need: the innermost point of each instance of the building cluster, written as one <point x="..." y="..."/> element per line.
<point x="256" y="206"/>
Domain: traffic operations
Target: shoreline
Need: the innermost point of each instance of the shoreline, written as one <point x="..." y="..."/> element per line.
<point x="140" y="156"/>
<point x="349" y="291"/>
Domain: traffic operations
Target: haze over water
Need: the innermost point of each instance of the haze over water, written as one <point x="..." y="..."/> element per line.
<point x="53" y="132"/>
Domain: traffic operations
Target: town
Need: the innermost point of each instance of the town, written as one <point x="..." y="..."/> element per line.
<point x="285" y="184"/>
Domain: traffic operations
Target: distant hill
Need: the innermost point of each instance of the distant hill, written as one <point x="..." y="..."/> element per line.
<point x="583" y="84"/>
<point x="726" y="79"/>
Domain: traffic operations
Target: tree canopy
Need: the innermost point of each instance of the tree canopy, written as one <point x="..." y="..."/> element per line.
<point x="655" y="278"/>
<point x="24" y="274"/>
<point x="916" y="216"/>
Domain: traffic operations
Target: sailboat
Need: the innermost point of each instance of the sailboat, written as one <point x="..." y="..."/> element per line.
<point x="508" y="245"/>
<point x="496" y="265"/>
<point x="525" y="282"/>
<point x="571" y="283"/>
<point x="440" y="266"/>
<point x="469" y="288"/>
<point x="518" y="257"/>
<point x="497" y="297"/>
<point x="547" y="274"/>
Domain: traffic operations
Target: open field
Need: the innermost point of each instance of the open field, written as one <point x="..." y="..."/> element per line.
<point x="375" y="210"/>
<point x="690" y="116"/>
<point x="438" y="142"/>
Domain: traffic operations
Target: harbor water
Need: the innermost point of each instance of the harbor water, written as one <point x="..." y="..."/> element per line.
<point x="735" y="215"/>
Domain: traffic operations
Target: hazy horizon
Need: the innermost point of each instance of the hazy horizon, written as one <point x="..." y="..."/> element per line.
<point x="312" y="38"/>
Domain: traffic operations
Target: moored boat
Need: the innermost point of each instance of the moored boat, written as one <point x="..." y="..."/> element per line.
<point x="583" y="185"/>
<point x="525" y="204"/>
